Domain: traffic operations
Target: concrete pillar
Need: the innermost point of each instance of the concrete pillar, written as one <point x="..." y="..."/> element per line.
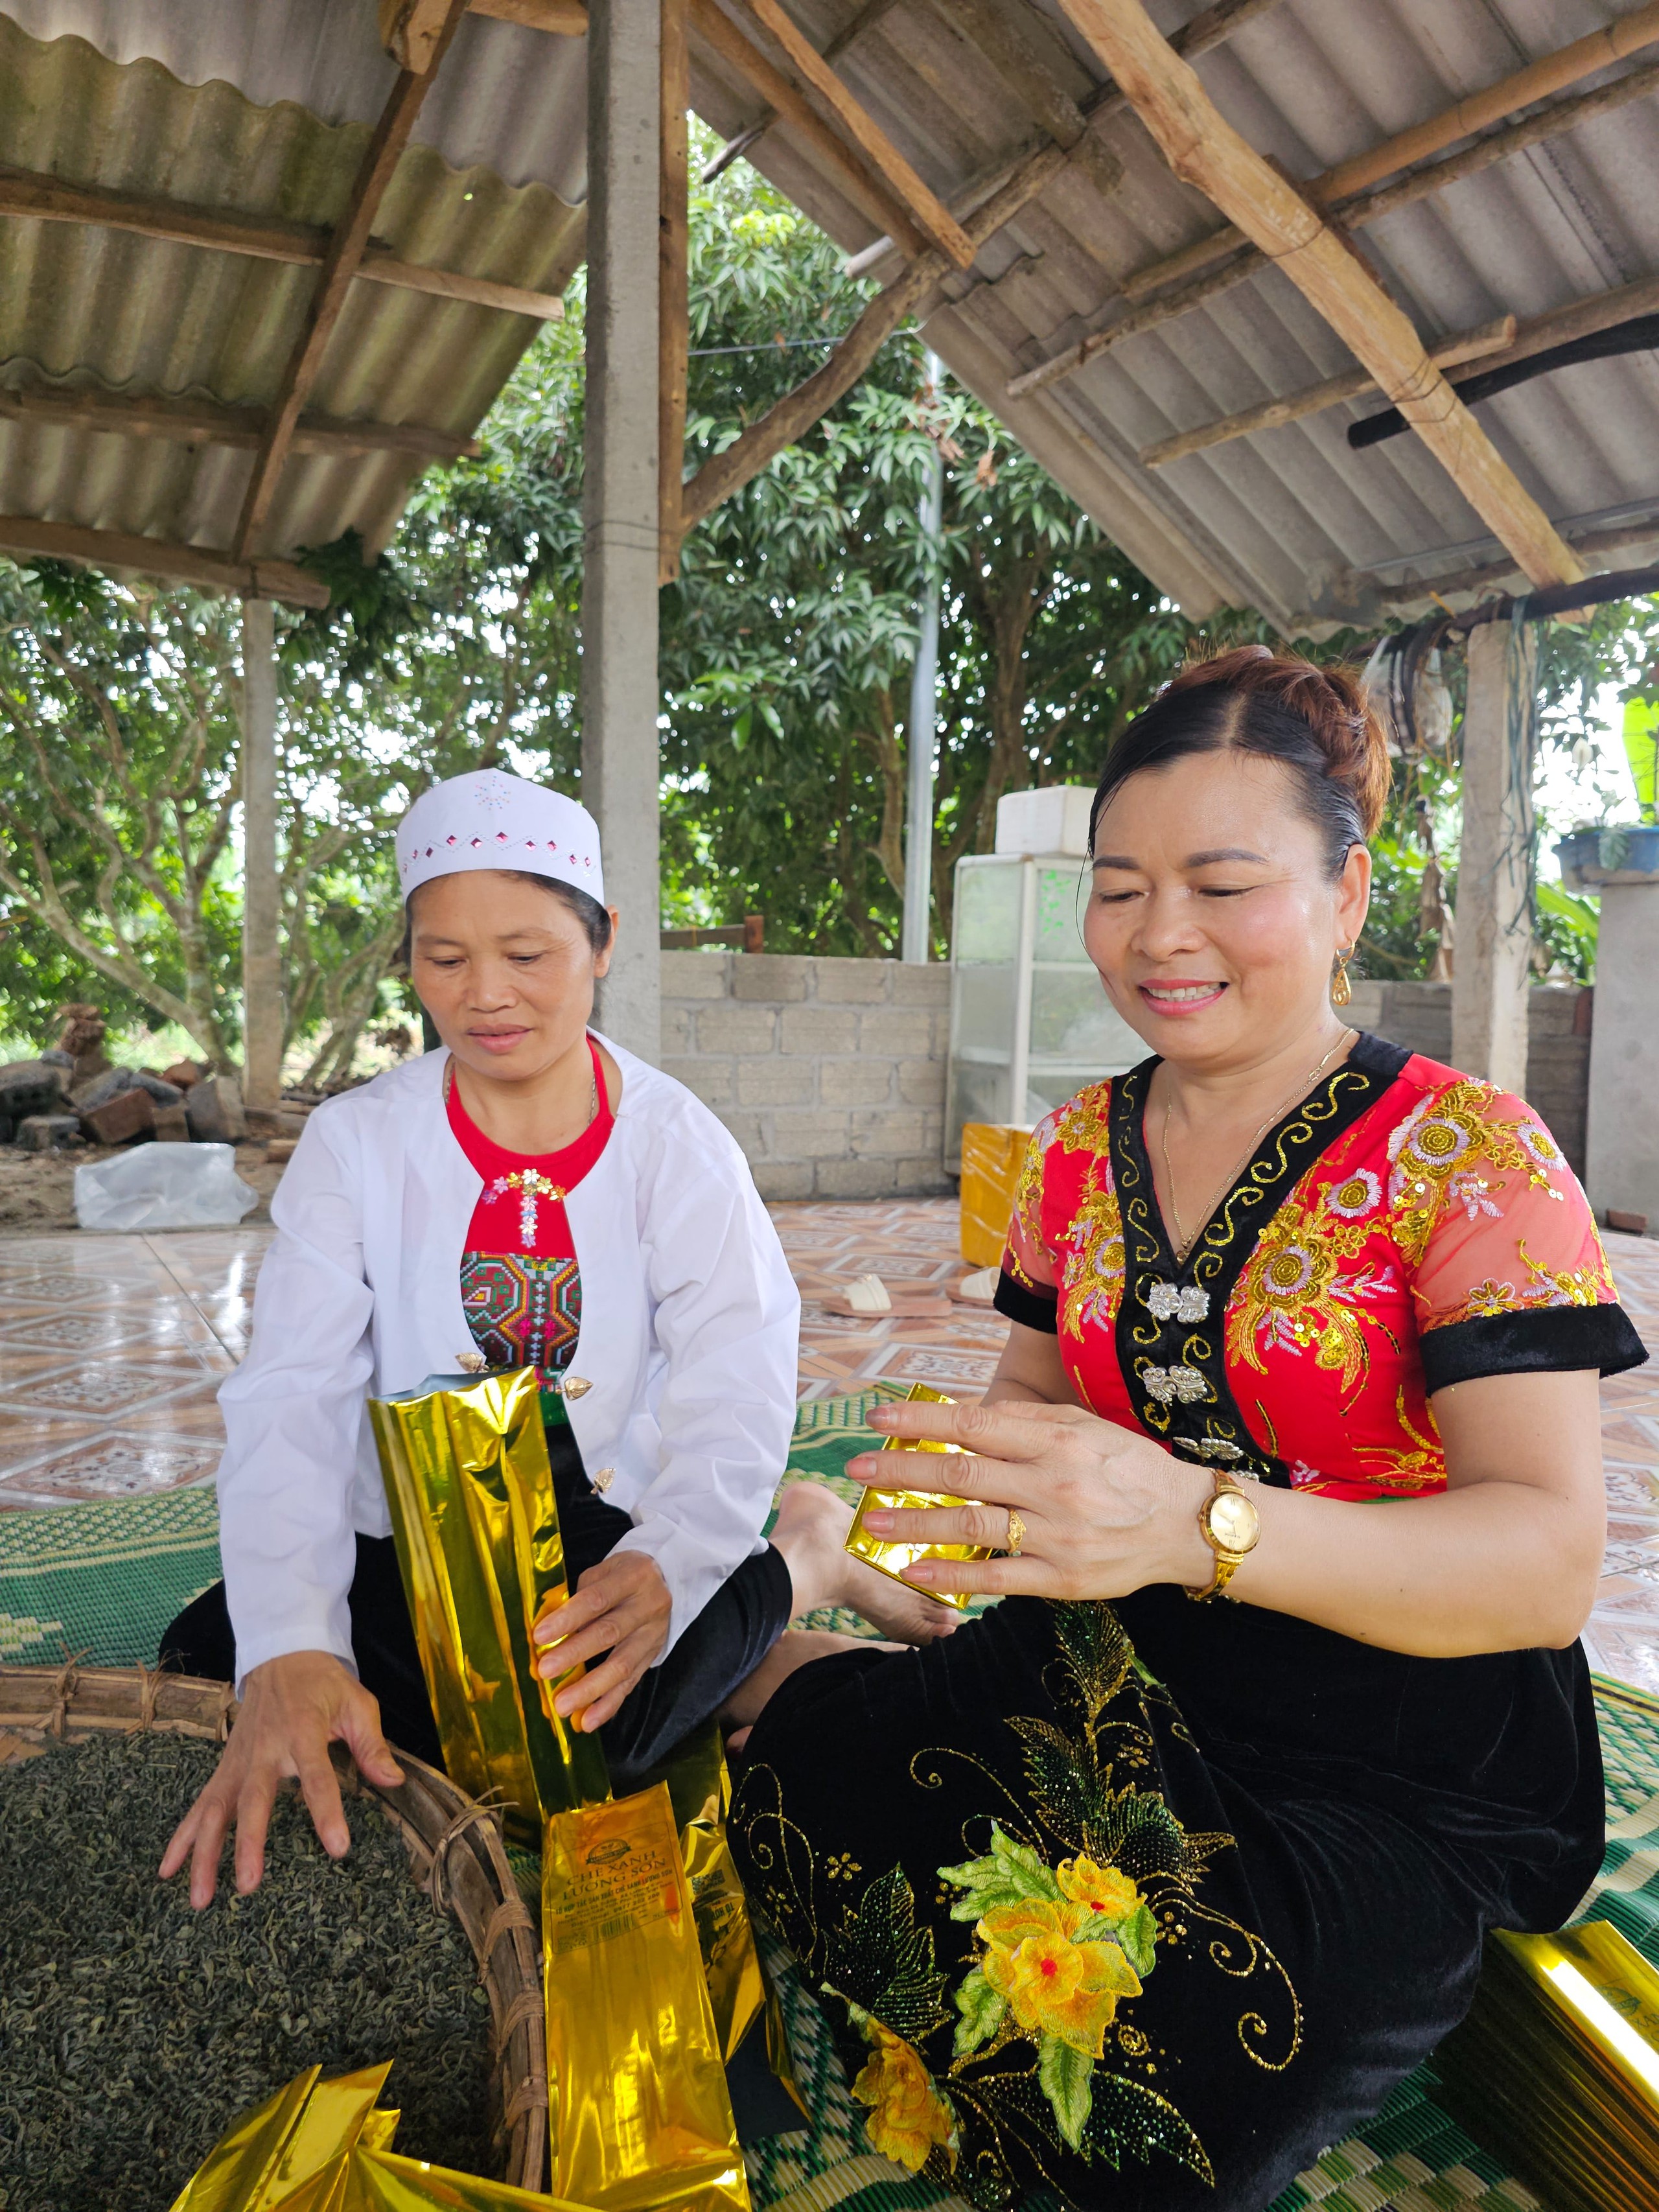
<point x="621" y="514"/>
<point x="262" y="957"/>
<point x="1621" y="1166"/>
<point x="919" y="737"/>
<point x="1493" y="963"/>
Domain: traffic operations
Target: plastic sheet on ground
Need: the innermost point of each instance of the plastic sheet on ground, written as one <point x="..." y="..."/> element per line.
<point x="163" y="1187"/>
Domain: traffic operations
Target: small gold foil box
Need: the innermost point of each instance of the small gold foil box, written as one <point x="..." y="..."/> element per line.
<point x="892" y="1558"/>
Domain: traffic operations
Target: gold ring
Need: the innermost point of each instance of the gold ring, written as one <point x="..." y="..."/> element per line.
<point x="1015" y="1534"/>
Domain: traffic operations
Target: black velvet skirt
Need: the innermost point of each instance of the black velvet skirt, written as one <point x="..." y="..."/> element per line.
<point x="1151" y="1923"/>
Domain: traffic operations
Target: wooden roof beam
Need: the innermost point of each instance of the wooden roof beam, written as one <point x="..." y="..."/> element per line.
<point x="925" y="209"/>
<point x="345" y="252"/>
<point x="1569" y="65"/>
<point x="794" y="415"/>
<point x="748" y="138"/>
<point x="1353" y="384"/>
<point x="24" y="534"/>
<point x="181" y="223"/>
<point x="868" y="193"/>
<point x="194" y="422"/>
<point x="1558" y="117"/>
<point x="564" y="18"/>
<point x="1203" y="148"/>
<point x="1211" y="28"/>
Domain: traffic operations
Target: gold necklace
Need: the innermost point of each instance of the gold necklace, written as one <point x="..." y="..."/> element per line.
<point x="1185" y="1243"/>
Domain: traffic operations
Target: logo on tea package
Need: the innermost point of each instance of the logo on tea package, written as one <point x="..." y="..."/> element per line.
<point x="607" y="1853"/>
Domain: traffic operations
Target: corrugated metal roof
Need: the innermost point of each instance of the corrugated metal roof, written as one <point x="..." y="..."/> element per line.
<point x="1291" y="519"/>
<point x="87" y="308"/>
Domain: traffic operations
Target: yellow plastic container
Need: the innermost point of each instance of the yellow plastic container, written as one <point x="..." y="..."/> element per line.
<point x="992" y="1153"/>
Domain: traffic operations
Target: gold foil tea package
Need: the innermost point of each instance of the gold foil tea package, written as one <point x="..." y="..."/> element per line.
<point x="470" y="1493"/>
<point x="891" y="1557"/>
<point x="641" y="2117"/>
<point x="1556" y="2068"/>
<point x="699" y="1791"/>
<point x="322" y="2146"/>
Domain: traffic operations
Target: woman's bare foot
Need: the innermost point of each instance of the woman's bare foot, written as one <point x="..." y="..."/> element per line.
<point x="796" y="1647"/>
<point x="811" y="1534"/>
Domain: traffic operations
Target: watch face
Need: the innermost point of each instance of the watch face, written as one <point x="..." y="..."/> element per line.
<point x="1233" y="1522"/>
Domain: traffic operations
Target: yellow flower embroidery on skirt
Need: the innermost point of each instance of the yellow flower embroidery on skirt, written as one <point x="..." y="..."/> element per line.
<point x="908" y="2115"/>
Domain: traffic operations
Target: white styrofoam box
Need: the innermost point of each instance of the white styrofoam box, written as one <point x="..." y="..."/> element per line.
<point x="1054" y="820"/>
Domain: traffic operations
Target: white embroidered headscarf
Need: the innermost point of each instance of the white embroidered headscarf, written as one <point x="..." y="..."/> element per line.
<point x="488" y="820"/>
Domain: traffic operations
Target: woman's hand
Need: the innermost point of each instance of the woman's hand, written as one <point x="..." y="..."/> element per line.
<point x="622" y="1606"/>
<point x="1105" y="1511"/>
<point x="293" y="1709"/>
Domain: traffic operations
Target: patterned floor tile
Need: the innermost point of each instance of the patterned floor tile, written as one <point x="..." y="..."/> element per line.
<point x="114" y="1467"/>
<point x="97" y="1387"/>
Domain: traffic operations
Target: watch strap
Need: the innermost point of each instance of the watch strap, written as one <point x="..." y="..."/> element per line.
<point x="1226" y="1562"/>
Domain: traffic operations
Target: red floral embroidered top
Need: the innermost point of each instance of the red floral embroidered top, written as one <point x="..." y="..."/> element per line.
<point x="1403" y="1228"/>
<point x="520" y="1283"/>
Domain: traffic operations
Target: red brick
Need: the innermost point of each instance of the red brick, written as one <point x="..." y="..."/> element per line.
<point x="129" y="1115"/>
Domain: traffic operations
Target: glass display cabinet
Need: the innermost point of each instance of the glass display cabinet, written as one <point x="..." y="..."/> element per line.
<point x="1030" y="1022"/>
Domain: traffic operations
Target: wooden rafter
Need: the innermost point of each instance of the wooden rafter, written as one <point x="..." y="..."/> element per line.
<point x="345" y="252"/>
<point x="927" y="211"/>
<point x="1353" y="384"/>
<point x="565" y="19"/>
<point x="748" y="138"/>
<point x="1204" y="149"/>
<point x="1211" y="28"/>
<point x="997" y="31"/>
<point x="1581" y="319"/>
<point x="673" y="289"/>
<point x="1550" y="121"/>
<point x="868" y="193"/>
<point x="28" y="192"/>
<point x="1569" y="65"/>
<point x="794" y="414"/>
<point x="159" y="556"/>
<point x="195" y="422"/>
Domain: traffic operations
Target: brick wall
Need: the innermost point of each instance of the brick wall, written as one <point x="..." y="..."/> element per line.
<point x="830" y="1073"/>
<point x="1419" y="1016"/>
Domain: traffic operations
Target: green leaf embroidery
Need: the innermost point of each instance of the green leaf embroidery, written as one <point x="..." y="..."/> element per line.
<point x="1068" y="2078"/>
<point x="981" y="2010"/>
<point x="880" y="1952"/>
<point x="1137" y="1935"/>
<point x="1007" y="1874"/>
<point x="1128" y="2120"/>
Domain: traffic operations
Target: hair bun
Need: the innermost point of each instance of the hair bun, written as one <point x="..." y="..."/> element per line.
<point x="1333" y="701"/>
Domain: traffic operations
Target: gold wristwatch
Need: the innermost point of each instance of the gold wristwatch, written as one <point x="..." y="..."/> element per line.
<point x="1232" y="1526"/>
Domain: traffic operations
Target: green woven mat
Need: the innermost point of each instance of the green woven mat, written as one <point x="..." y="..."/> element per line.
<point x="100" y="1582"/>
<point x="104" y="1580"/>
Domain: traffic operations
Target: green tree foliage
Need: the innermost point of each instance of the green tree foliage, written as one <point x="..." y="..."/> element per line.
<point x="787" y="640"/>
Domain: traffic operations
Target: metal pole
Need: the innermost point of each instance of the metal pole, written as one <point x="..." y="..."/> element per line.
<point x="621" y="520"/>
<point x="262" y="958"/>
<point x="915" y="937"/>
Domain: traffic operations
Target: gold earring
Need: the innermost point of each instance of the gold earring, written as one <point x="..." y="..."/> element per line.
<point x="1341" y="988"/>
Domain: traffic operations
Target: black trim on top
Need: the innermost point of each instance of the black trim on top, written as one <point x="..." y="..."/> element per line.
<point x="1182" y="1354"/>
<point x="1030" y="1309"/>
<point x="1541" y="1340"/>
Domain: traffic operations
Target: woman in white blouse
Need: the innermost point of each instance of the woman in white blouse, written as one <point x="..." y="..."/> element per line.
<point x="531" y="1195"/>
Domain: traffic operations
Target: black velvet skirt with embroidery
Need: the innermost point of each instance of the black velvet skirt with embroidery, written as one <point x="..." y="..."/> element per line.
<point x="1146" y="1903"/>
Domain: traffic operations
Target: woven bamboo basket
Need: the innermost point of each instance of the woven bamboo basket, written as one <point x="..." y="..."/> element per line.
<point x="455" y="1844"/>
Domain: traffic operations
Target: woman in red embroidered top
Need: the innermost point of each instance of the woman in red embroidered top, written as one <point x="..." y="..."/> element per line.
<point x="1143" y="1900"/>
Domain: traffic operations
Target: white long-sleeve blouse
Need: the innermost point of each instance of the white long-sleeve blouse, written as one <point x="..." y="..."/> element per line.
<point x="688" y="1345"/>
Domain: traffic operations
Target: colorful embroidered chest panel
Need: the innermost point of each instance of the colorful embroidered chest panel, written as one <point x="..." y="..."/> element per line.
<point x="521" y="1286"/>
<point x="1403" y="1228"/>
